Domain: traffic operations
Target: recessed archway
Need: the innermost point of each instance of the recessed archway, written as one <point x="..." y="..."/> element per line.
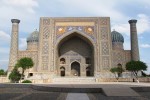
<point x="62" y="61"/>
<point x="76" y="46"/>
<point x="75" y="69"/>
<point x="88" y="73"/>
<point x="62" y="71"/>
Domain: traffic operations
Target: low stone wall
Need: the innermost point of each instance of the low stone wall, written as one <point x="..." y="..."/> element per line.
<point x="141" y="79"/>
<point x="40" y="81"/>
<point x="4" y="79"/>
<point x="37" y="81"/>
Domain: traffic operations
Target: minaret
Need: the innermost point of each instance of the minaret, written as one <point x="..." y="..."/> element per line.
<point x="13" y="56"/>
<point x="134" y="40"/>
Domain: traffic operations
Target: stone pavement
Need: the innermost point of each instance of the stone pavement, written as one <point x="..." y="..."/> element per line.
<point x="111" y="91"/>
<point x="77" y="96"/>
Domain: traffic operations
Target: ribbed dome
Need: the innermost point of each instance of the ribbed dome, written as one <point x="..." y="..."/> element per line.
<point x="33" y="37"/>
<point x="117" y="37"/>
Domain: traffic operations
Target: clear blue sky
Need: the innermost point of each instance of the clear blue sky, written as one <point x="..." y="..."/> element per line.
<point x="30" y="11"/>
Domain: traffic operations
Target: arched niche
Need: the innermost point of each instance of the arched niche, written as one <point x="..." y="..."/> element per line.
<point x="76" y="46"/>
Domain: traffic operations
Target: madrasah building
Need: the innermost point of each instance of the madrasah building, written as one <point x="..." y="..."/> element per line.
<point x="72" y="47"/>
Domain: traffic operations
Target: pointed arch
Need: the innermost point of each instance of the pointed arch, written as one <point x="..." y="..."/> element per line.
<point x="82" y="35"/>
<point x="66" y="38"/>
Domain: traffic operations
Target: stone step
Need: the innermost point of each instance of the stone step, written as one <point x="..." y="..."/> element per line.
<point x="74" y="79"/>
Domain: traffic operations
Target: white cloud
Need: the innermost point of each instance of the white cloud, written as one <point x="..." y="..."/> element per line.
<point x="4" y="50"/>
<point x="24" y="4"/>
<point x="143" y="25"/>
<point x="122" y="28"/>
<point x="4" y="64"/>
<point x="22" y="44"/>
<point x="145" y="45"/>
<point x="19" y="9"/>
<point x="127" y="45"/>
<point x="91" y="7"/>
<point x="4" y="36"/>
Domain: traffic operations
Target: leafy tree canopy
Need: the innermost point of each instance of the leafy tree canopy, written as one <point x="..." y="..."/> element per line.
<point x="2" y="72"/>
<point x="136" y="66"/>
<point x="116" y="70"/>
<point x="25" y="63"/>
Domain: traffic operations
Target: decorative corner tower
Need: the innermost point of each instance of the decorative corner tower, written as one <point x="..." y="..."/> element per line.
<point x="134" y="40"/>
<point x="14" y="44"/>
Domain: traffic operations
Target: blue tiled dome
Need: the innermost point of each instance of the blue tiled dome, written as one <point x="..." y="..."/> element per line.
<point x="33" y="37"/>
<point x="117" y="37"/>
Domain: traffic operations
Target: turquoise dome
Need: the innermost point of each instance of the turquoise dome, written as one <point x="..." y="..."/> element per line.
<point x="33" y="37"/>
<point x="117" y="37"/>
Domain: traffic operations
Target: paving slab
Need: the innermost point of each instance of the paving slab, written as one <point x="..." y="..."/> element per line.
<point x="120" y="91"/>
<point x="111" y="90"/>
<point x="77" y="96"/>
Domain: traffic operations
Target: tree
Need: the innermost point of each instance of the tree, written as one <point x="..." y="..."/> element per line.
<point x="117" y="71"/>
<point x="144" y="74"/>
<point x="135" y="67"/>
<point x="2" y="72"/>
<point x="15" y="76"/>
<point x="24" y="63"/>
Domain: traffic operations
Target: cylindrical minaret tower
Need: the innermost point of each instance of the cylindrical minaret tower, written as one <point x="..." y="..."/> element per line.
<point x="134" y="40"/>
<point x="13" y="56"/>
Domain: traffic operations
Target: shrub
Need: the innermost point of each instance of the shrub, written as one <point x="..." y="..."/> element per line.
<point x="26" y="81"/>
<point x="14" y="76"/>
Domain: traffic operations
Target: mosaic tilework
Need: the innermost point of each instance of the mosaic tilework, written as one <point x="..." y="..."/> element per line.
<point x="105" y="62"/>
<point x="46" y="32"/>
<point x="89" y="30"/>
<point x="46" y="21"/>
<point x="105" y="48"/>
<point x="104" y="33"/>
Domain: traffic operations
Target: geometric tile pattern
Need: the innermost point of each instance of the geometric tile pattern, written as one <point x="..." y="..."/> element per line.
<point x="31" y="54"/>
<point x="46" y="32"/>
<point x="105" y="62"/>
<point x="103" y="21"/>
<point x="104" y="33"/>
<point x="14" y="46"/>
<point x="105" y="48"/>
<point x="45" y="44"/>
<point x="45" y="47"/>
<point x="46" y="21"/>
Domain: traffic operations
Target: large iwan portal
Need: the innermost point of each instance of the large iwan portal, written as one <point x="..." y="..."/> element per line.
<point x="76" y="56"/>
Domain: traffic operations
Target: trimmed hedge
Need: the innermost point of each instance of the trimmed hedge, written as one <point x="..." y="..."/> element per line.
<point x="26" y="81"/>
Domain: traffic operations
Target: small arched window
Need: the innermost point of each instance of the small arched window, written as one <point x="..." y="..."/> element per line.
<point x="62" y="71"/>
<point x="62" y="61"/>
<point x="120" y="70"/>
<point x="88" y="72"/>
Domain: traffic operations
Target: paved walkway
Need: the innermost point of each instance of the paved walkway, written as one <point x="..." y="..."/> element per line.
<point x="119" y="91"/>
<point x="109" y="88"/>
<point x="77" y="96"/>
<point x="112" y="91"/>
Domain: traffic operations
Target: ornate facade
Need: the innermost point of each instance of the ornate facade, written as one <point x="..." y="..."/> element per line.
<point x="74" y="47"/>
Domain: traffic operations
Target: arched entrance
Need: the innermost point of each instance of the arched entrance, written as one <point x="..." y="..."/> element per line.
<point x="75" y="69"/>
<point x="62" y="71"/>
<point x="88" y="73"/>
<point x="78" y="49"/>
